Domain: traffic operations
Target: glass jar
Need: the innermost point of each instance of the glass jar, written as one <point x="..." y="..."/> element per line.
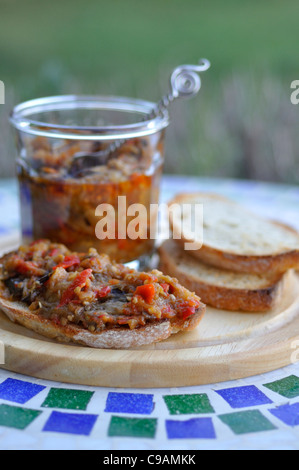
<point x="63" y="183"/>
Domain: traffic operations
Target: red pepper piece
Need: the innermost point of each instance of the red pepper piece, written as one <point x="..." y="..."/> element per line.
<point x="165" y="287"/>
<point x="27" y="267"/>
<point x="79" y="281"/>
<point x="147" y="292"/>
<point x="187" y="312"/>
<point x="68" y="262"/>
<point x="103" y="291"/>
<point x="53" y="252"/>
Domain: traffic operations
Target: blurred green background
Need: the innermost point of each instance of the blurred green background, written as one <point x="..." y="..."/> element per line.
<point x="242" y="124"/>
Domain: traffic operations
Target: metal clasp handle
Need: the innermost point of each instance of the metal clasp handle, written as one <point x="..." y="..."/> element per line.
<point x="184" y="83"/>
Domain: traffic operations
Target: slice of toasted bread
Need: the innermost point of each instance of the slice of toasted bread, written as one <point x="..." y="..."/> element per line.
<point x="118" y="338"/>
<point x="35" y="293"/>
<point x="221" y="288"/>
<point x="237" y="239"/>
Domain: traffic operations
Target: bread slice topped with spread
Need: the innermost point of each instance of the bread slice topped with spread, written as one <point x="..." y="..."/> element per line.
<point x="235" y="238"/>
<point x="221" y="288"/>
<point x="86" y="298"/>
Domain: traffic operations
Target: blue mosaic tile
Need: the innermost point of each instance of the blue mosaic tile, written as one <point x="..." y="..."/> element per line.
<point x="195" y="428"/>
<point x="136" y="403"/>
<point x="71" y="423"/>
<point x="19" y="391"/>
<point x="242" y="397"/>
<point x="288" y="414"/>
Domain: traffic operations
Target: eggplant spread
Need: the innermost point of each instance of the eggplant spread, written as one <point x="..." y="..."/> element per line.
<point x="91" y="291"/>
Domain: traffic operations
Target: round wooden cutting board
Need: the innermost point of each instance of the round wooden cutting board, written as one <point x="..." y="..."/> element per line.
<point x="225" y="346"/>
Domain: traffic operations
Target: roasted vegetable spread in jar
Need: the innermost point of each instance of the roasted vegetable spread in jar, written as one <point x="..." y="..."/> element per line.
<point x="59" y="195"/>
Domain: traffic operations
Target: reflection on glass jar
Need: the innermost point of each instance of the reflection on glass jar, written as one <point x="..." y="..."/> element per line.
<point x="60" y="192"/>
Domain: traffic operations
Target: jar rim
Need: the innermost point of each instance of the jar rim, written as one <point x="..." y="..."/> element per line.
<point x="20" y="117"/>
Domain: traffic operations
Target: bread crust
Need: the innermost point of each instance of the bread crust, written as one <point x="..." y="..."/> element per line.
<point x="220" y="296"/>
<point x="255" y="264"/>
<point x="247" y="263"/>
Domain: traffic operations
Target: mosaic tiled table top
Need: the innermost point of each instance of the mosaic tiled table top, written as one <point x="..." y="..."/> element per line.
<point x="260" y="412"/>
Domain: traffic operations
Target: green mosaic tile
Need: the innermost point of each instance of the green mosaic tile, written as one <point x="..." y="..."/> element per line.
<point x="132" y="427"/>
<point x="287" y="387"/>
<point x="17" y="417"/>
<point x="188" y="404"/>
<point x="67" y="399"/>
<point x="244" y="422"/>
